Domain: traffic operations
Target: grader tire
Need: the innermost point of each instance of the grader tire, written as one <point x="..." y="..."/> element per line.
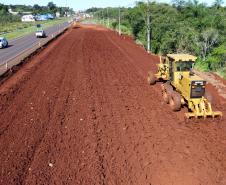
<point x="151" y="78"/>
<point x="175" y="101"/>
<point x="165" y="97"/>
<point x="168" y="88"/>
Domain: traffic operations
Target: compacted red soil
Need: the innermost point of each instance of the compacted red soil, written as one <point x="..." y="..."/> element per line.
<point x="81" y="112"/>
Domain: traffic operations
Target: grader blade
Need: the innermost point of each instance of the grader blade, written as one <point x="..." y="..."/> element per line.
<point x="214" y="114"/>
<point x="203" y="110"/>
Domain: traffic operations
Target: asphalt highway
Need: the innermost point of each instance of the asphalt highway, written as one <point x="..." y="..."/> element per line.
<point x="21" y="44"/>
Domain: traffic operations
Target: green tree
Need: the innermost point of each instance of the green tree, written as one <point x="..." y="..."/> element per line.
<point x="207" y="41"/>
<point x="52" y="7"/>
<point x="218" y="3"/>
<point x="187" y="26"/>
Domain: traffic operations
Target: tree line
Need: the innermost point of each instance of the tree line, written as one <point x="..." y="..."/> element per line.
<point x="6" y="17"/>
<point x="179" y="27"/>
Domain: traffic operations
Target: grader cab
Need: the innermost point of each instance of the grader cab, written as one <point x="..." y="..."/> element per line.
<point x="182" y="86"/>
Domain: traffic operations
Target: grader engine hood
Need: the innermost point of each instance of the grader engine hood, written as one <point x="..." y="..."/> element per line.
<point x="198" y="89"/>
<point x="191" y="86"/>
<point x="196" y="86"/>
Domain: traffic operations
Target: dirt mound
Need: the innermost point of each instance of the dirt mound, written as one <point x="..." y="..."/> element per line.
<point x="82" y="113"/>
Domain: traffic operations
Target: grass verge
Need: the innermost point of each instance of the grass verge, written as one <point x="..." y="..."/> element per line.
<point x="18" y="29"/>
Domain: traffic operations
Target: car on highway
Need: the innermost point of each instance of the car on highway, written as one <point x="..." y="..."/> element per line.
<point x="40" y="34"/>
<point x="3" y="42"/>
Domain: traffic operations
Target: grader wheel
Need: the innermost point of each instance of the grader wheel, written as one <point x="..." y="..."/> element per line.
<point x="175" y="101"/>
<point x="167" y="90"/>
<point x="165" y="97"/>
<point x="151" y="78"/>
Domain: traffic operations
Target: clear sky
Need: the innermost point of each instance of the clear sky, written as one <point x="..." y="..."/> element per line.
<point x="84" y="4"/>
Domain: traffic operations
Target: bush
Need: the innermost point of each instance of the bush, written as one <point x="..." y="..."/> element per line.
<point x="222" y="72"/>
<point x="202" y="65"/>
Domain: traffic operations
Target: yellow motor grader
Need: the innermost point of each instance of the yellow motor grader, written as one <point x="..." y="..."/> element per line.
<point x="182" y="86"/>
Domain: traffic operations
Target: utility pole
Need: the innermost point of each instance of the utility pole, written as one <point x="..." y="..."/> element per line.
<point x="108" y="18"/>
<point x="148" y="28"/>
<point x="66" y="9"/>
<point x="102" y="11"/>
<point x="119" y="21"/>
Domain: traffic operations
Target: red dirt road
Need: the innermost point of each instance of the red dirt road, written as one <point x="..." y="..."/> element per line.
<point x="81" y="112"/>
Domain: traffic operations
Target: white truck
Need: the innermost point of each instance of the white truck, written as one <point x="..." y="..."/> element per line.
<point x="40" y="34"/>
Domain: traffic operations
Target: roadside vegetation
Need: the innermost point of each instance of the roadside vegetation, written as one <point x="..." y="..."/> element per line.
<point x="12" y="27"/>
<point x="17" y="29"/>
<point x="180" y="27"/>
<point x="6" y="17"/>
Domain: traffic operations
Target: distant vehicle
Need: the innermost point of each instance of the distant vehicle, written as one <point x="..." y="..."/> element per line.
<point x="44" y="17"/>
<point x="40" y="34"/>
<point x="50" y="16"/>
<point x="41" y="18"/>
<point x="3" y="42"/>
<point x="28" y="18"/>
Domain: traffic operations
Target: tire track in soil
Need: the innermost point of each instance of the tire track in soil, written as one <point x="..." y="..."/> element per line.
<point x="33" y="146"/>
<point x="65" y="102"/>
<point x="98" y="122"/>
<point x="115" y="75"/>
<point x="28" y="156"/>
<point x="81" y="85"/>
